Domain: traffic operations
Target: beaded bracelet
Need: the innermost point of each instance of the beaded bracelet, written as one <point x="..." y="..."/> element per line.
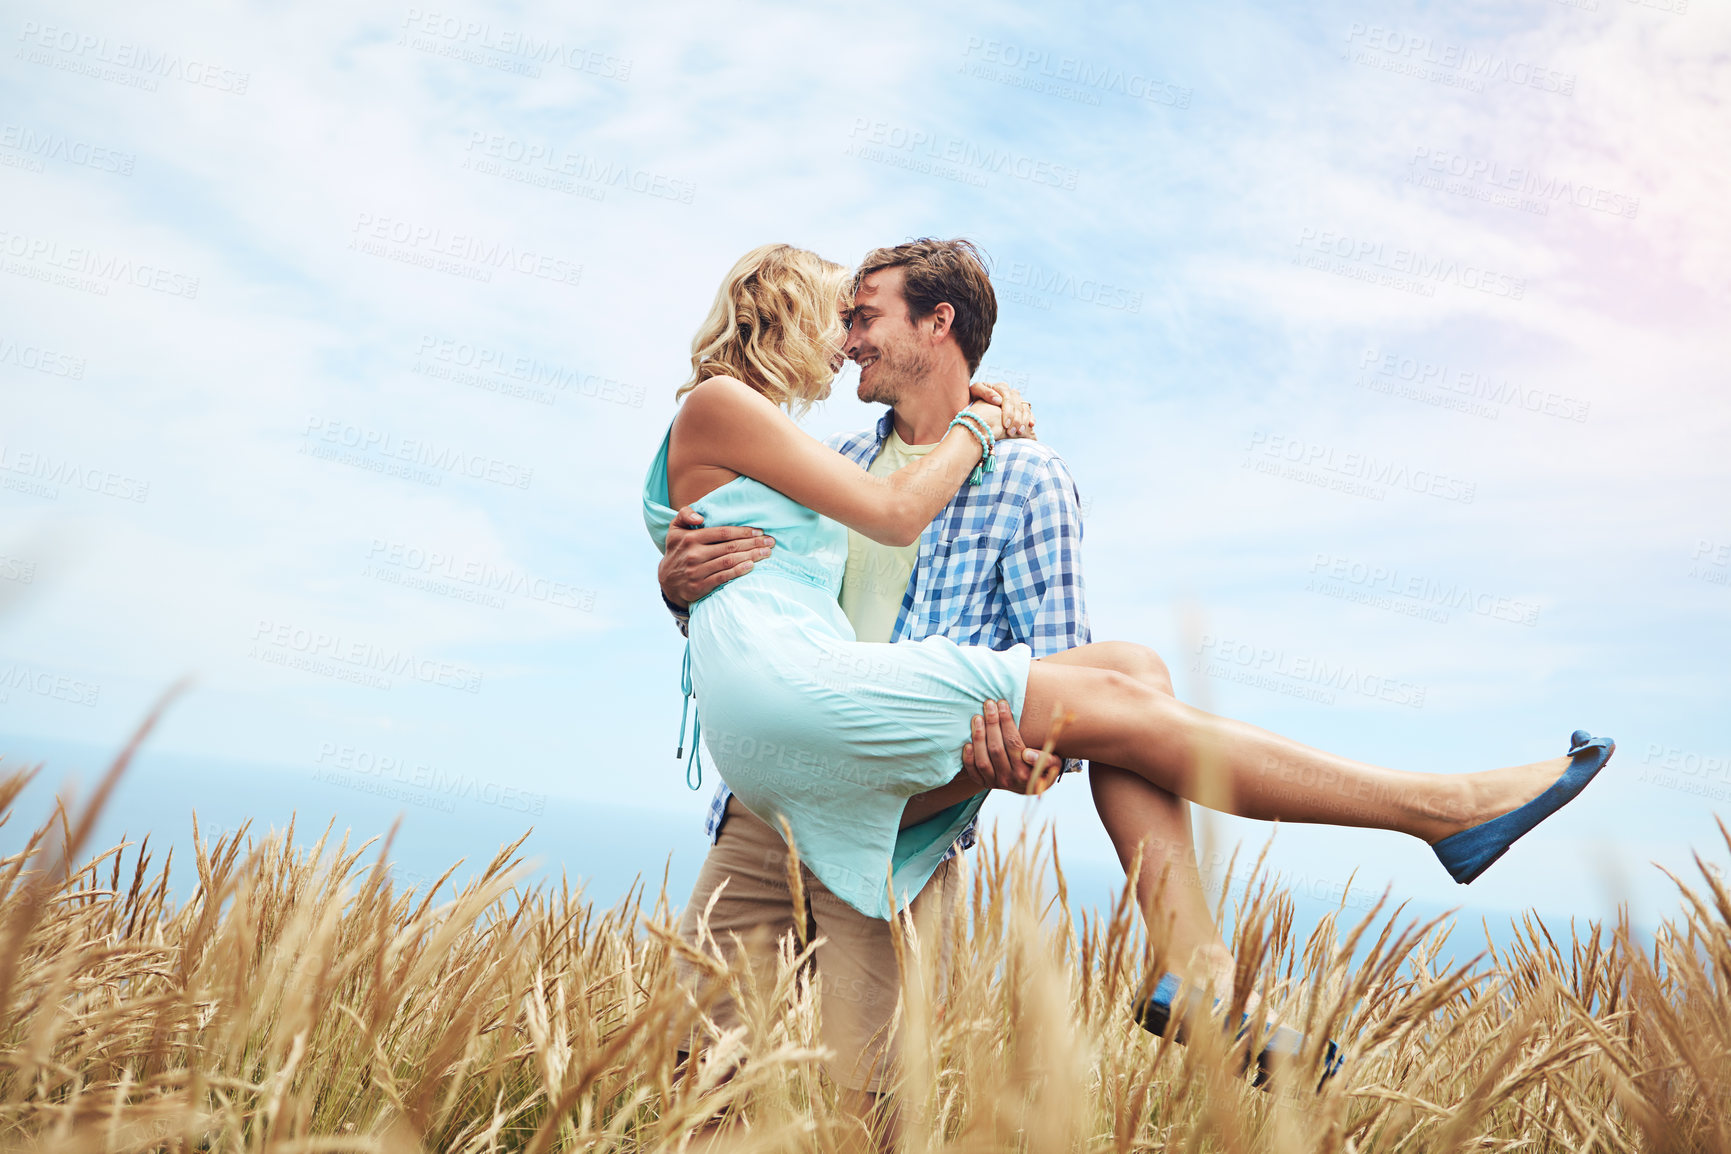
<point x="988" y="444"/>
<point x="979" y="427"/>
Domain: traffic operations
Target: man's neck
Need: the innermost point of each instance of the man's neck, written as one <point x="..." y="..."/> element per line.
<point x="924" y="418"/>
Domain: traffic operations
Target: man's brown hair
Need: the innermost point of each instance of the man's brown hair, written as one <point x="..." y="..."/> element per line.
<point x="951" y="272"/>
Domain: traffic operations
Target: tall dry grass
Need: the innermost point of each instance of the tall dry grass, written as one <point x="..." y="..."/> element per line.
<point x="298" y="1001"/>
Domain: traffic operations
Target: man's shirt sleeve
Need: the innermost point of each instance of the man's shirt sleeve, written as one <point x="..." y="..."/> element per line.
<point x="1042" y="570"/>
<point x="1042" y="567"/>
<point x="681" y="617"/>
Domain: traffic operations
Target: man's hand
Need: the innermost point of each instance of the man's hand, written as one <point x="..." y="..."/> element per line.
<point x="997" y="757"/>
<point x="698" y="560"/>
<point x="1018" y="414"/>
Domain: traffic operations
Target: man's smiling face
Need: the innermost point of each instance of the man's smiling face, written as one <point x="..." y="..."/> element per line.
<point x="884" y="341"/>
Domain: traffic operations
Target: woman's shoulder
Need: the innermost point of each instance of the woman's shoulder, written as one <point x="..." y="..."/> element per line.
<point x="722" y="385"/>
<point x="722" y="394"/>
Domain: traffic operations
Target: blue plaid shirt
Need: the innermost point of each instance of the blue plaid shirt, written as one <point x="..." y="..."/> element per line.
<point x="1000" y="565"/>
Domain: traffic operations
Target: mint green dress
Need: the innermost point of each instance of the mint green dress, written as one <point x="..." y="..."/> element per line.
<point x="806" y="723"/>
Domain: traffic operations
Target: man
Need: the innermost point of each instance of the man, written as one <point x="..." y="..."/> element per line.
<point x="999" y="565"/>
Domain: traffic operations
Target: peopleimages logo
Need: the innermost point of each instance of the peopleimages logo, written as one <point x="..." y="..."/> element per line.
<point x="1312" y="678"/>
<point x="482" y="580"/>
<point x="1457" y="65"/>
<point x="1354" y="469"/>
<point x="40" y="359"/>
<point x="332" y="655"/>
<point x="17" y="677"/>
<point x="494" y="369"/>
<point x="446" y="34"/>
<point x="1415" y="594"/>
<point x="42" y="474"/>
<point x="1021" y="66"/>
<point x="464" y="254"/>
<point x="1468" y="384"/>
<point x="1495" y="177"/>
<point x="59" y="146"/>
<point x="1686" y="771"/>
<point x="1712" y="562"/>
<point x="577" y="166"/>
<point x="1084" y="289"/>
<point x="1405" y="265"/>
<point x="967" y="157"/>
<point x="88" y="53"/>
<point x="104" y="268"/>
<point x="329" y="439"/>
<point x="375" y="770"/>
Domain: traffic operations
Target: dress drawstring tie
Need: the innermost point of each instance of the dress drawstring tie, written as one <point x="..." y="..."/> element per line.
<point x="696" y="758"/>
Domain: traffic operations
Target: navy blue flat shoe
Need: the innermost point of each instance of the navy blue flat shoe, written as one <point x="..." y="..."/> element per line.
<point x="1155" y="1014"/>
<point x="1470" y="853"/>
<point x="1283" y="1043"/>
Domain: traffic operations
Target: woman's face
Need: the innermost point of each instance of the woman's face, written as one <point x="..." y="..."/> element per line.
<point x="834" y="336"/>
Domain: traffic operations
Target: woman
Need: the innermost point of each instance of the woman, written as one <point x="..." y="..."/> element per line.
<point x="865" y="769"/>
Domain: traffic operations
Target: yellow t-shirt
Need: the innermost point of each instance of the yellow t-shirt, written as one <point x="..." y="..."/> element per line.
<point x="877" y="575"/>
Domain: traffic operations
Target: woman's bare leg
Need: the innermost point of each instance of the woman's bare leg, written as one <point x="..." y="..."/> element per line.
<point x="1241" y="769"/>
<point x="1141" y="818"/>
<point x="1152" y="825"/>
<point x="1143" y="821"/>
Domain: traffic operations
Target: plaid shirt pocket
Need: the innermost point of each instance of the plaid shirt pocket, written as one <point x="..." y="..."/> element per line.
<point x="953" y="582"/>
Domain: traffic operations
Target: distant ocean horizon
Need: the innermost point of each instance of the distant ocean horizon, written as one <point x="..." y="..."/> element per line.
<point x="606" y="848"/>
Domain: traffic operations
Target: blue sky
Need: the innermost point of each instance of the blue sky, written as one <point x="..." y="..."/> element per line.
<point x="1386" y="343"/>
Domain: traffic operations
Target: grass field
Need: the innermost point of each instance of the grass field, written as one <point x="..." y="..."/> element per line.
<point x="296" y="1001"/>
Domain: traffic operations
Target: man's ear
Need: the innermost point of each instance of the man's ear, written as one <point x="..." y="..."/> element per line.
<point x="942" y="318"/>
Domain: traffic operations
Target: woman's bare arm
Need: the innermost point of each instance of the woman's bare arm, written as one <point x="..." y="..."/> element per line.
<point x="726" y="427"/>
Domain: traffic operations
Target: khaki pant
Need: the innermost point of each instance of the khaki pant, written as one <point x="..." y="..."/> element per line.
<point x="858" y="980"/>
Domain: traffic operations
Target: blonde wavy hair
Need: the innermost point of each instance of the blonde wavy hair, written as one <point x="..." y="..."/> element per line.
<point x="776" y="325"/>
